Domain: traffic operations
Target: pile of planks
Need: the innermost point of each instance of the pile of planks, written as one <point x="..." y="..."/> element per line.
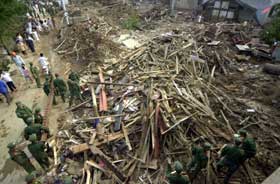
<point x="151" y="103"/>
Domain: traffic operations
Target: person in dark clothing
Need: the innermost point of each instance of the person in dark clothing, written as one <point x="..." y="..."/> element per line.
<point x="30" y="43"/>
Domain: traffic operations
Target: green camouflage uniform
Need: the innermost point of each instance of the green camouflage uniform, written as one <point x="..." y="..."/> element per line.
<point x="199" y="160"/>
<point x="20" y="158"/>
<point x="47" y="89"/>
<point x="60" y="87"/>
<point x="23" y="112"/>
<point x="38" y="118"/>
<point x="36" y="75"/>
<point x="249" y="147"/>
<point x="37" y="149"/>
<point x="176" y="178"/>
<point x="74" y="76"/>
<point x="35" y="129"/>
<point x="75" y="91"/>
<point x="232" y="156"/>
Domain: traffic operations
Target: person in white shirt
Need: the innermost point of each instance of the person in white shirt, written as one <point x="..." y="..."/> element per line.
<point x="44" y="63"/>
<point x="5" y="76"/>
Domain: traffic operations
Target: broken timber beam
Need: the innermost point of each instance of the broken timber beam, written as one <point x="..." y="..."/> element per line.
<point x="108" y="163"/>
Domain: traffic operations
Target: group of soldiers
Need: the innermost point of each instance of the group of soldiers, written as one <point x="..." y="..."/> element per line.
<point x="231" y="156"/>
<point x="33" y="132"/>
<point x="60" y="87"/>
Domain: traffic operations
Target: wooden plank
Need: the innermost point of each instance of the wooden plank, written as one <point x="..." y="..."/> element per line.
<point x="274" y="178"/>
<point x="126" y="137"/>
<point x="34" y="162"/>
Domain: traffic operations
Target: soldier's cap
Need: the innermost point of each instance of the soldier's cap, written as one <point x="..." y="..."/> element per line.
<point x="30" y="177"/>
<point x="68" y="180"/>
<point x="38" y="109"/>
<point x="207" y="146"/>
<point x="178" y="167"/>
<point x="33" y="138"/>
<point x="18" y="102"/>
<point x="242" y="132"/>
<point x="29" y="120"/>
<point x="237" y="141"/>
<point x="30" y="63"/>
<point x="11" y="145"/>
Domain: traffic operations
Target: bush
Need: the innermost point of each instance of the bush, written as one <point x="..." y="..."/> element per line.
<point x="272" y="31"/>
<point x="133" y="22"/>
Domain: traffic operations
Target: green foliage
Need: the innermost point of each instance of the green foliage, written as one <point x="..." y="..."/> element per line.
<point x="11" y="18"/>
<point x="272" y="31"/>
<point x="132" y="22"/>
<point x="4" y="64"/>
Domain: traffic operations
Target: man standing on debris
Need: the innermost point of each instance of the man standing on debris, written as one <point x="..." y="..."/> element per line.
<point x="36" y="129"/>
<point x="35" y="74"/>
<point x="37" y="149"/>
<point x="75" y="91"/>
<point x="47" y="88"/>
<point x="20" y="158"/>
<point x="176" y="177"/>
<point x="60" y="87"/>
<point x="199" y="160"/>
<point x="231" y="157"/>
<point x="24" y="112"/>
<point x="74" y="76"/>
<point x="248" y="145"/>
<point x="38" y="117"/>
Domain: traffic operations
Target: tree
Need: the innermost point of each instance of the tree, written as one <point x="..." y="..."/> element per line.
<point x="272" y="31"/>
<point x="11" y="19"/>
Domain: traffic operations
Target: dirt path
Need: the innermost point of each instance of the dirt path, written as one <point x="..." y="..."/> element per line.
<point x="11" y="128"/>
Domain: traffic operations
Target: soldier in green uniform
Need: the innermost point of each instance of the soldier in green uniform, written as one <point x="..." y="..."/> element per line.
<point x="32" y="178"/>
<point x="74" y="76"/>
<point x="199" y="159"/>
<point x="38" y="117"/>
<point x="176" y="177"/>
<point x="248" y="145"/>
<point x="68" y="180"/>
<point x="60" y="86"/>
<point x="231" y="157"/>
<point x="75" y="91"/>
<point x="36" y="74"/>
<point x="20" y="158"/>
<point x="37" y="129"/>
<point x="47" y="89"/>
<point x="23" y="112"/>
<point x="37" y="149"/>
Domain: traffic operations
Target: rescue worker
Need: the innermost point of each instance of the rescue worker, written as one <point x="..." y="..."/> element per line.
<point x="20" y="158"/>
<point x="38" y="117"/>
<point x="248" y="145"/>
<point x="23" y="112"/>
<point x="35" y="73"/>
<point x="32" y="178"/>
<point x="199" y="159"/>
<point x="74" y="76"/>
<point x="176" y="177"/>
<point x="75" y="91"/>
<point x="37" y="129"/>
<point x="37" y="149"/>
<point x="231" y="157"/>
<point x="60" y="87"/>
<point x="47" y="89"/>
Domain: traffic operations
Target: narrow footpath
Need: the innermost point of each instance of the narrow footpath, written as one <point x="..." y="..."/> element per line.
<point x="11" y="127"/>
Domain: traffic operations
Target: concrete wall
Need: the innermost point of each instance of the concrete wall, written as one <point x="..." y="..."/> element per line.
<point x="186" y="4"/>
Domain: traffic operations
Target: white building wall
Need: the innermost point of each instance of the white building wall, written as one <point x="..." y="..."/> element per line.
<point x="186" y="4"/>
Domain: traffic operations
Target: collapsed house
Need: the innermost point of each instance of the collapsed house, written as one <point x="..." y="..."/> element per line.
<point x="257" y="11"/>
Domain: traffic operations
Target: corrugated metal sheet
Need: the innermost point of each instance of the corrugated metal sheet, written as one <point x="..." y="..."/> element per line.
<point x="186" y="4"/>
